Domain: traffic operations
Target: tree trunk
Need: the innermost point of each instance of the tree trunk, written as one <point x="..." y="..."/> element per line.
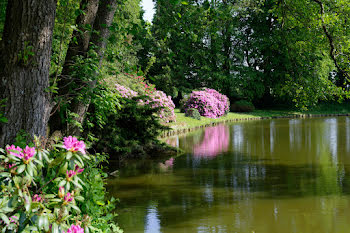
<point x="25" y="53"/>
<point x="343" y="75"/>
<point x="103" y="21"/>
<point x="78" y="46"/>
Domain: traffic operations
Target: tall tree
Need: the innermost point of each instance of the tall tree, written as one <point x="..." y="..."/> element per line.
<point x="80" y="69"/>
<point x="99" y="39"/>
<point x="25" y="53"/>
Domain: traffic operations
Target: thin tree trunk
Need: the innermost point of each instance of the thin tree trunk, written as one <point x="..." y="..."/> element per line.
<point x="24" y="67"/>
<point x="103" y="21"/>
<point x="78" y="46"/>
<point x="343" y="74"/>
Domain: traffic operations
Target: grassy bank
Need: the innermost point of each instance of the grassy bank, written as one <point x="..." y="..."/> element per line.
<point x="184" y="124"/>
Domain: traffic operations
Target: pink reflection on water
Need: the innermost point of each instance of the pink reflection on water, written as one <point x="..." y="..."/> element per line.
<point x="215" y="141"/>
<point x="167" y="164"/>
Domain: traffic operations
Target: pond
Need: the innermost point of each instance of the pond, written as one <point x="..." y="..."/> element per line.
<point x="267" y="176"/>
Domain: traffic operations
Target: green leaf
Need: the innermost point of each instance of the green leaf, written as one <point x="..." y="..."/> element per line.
<point x="63" y="169"/>
<point x="67" y="186"/>
<point x="21" y="168"/>
<point x="55" y="200"/>
<point x="79" y="198"/>
<point x="49" y="196"/>
<point x="62" y="183"/>
<point x="30" y="170"/>
<point x="27" y="202"/>
<point x="184" y="3"/>
<point x="69" y="155"/>
<point x="55" y="228"/>
<point x="4" y="218"/>
<point x="57" y="160"/>
<point x="76" y="208"/>
<point x="5" y="174"/>
<point x="100" y="203"/>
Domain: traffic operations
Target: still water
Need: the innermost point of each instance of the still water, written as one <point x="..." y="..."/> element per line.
<point x="268" y="176"/>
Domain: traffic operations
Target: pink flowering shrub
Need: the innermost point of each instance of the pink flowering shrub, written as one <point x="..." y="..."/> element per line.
<point x="125" y="92"/>
<point x="48" y="191"/>
<point x="209" y="103"/>
<point x="158" y="99"/>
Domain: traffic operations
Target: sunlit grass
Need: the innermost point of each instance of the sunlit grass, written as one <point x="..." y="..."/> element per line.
<point x="183" y="122"/>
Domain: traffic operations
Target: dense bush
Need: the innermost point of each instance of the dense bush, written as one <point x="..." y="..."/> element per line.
<point x="156" y="99"/>
<point x="192" y="112"/>
<point x="242" y="106"/>
<point x="209" y="103"/>
<point x="134" y="126"/>
<point x="61" y="190"/>
<point x="136" y="83"/>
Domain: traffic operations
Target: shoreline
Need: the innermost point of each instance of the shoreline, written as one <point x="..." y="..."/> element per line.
<point x="184" y="130"/>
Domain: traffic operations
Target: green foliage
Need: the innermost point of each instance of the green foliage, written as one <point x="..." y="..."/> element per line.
<point x="3" y="119"/>
<point x="242" y="106"/>
<point x="42" y="189"/>
<point x="135" y="125"/>
<point x="262" y="51"/>
<point x="66" y="14"/>
<point x="3" y="4"/>
<point x="192" y="112"/>
<point x="96" y="206"/>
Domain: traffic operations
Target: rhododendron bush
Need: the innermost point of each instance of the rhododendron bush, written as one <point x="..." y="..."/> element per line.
<point x="47" y="191"/>
<point x="209" y="103"/>
<point x="157" y="99"/>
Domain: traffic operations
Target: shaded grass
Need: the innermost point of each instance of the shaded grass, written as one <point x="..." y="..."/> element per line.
<point x="183" y="122"/>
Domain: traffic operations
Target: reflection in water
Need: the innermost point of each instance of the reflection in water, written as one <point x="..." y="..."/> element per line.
<point x="273" y="176"/>
<point x="167" y="164"/>
<point x="152" y="220"/>
<point x="215" y="141"/>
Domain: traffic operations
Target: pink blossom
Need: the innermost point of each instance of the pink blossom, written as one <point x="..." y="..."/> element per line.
<point x="70" y="174"/>
<point x="36" y="198"/>
<point x="11" y="150"/>
<point x="78" y="170"/>
<point x="11" y="165"/>
<point x="28" y="153"/>
<point x="72" y="144"/>
<point x="68" y="197"/>
<point x="75" y="229"/>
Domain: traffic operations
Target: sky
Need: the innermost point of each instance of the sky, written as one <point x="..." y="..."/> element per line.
<point x="147" y="6"/>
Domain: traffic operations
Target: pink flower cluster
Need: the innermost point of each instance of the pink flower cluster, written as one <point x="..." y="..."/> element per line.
<point x="157" y="99"/>
<point x="68" y="198"/>
<point x="75" y="229"/>
<point x="72" y="144"/>
<point x="26" y="154"/>
<point x="160" y="99"/>
<point x="71" y="173"/>
<point x="209" y="103"/>
<point x="37" y="198"/>
<point x="125" y="92"/>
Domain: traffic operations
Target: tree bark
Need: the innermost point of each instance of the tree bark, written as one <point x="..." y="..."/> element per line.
<point x="99" y="38"/>
<point x="24" y="67"/>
